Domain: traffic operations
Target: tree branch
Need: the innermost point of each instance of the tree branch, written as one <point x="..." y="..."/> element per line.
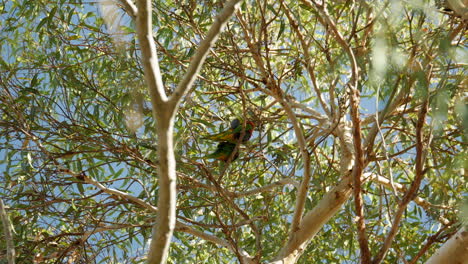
<point x="330" y="25"/>
<point x="314" y="220"/>
<point x="164" y="110"/>
<point x="223" y="193"/>
<point x="418" y="200"/>
<point x="121" y="195"/>
<point x="301" y="141"/>
<point x="308" y="59"/>
<point x="304" y="186"/>
<point x="453" y="251"/>
<point x="315" y="114"/>
<point x="413" y="190"/>
<point x="326" y="208"/>
<point x="166" y="217"/>
<point x="275" y="91"/>
<point x="7" y="232"/>
<point x="214" y="239"/>
<point x="149" y="56"/>
<point x="130" y="8"/>
<point x="197" y="60"/>
<point x="429" y="242"/>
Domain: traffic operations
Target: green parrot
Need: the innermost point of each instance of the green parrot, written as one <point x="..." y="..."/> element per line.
<point x="234" y="132"/>
<point x="223" y="152"/>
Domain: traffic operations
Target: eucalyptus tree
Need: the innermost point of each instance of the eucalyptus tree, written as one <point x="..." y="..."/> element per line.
<point x="358" y="153"/>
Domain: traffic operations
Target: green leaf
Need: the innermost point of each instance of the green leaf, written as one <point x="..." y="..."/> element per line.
<point x="281" y="30"/>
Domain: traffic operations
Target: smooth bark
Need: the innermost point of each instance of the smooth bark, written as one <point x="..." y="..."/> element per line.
<point x="455" y="250"/>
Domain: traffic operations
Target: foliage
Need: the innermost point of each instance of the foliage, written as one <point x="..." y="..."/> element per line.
<point x="74" y="102"/>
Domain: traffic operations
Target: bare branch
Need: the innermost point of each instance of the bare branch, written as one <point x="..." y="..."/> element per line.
<point x="104" y="228"/>
<point x="214" y="239"/>
<point x="390" y="108"/>
<point x="223" y="193"/>
<point x="429" y="242"/>
<point x="275" y="91"/>
<point x="326" y="208"/>
<point x="384" y="149"/>
<point x="149" y="56"/>
<point x="197" y="60"/>
<point x="266" y="188"/>
<point x="316" y="115"/>
<point x="117" y="193"/>
<point x="164" y="114"/>
<point x="166" y="217"/>
<point x="301" y="141"/>
<point x="125" y="196"/>
<point x="164" y="110"/>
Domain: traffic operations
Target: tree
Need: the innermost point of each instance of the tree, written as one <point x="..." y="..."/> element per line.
<point x="358" y="154"/>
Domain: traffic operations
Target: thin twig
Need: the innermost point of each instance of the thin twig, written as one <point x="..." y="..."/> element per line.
<point x="308" y="59"/>
<point x="384" y="144"/>
<point x="266" y="188"/>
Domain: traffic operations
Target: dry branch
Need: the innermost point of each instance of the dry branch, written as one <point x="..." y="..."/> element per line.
<point x="330" y="25"/>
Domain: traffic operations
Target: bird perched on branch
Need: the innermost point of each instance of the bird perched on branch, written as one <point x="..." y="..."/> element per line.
<point x="223" y="152"/>
<point x="234" y="132"/>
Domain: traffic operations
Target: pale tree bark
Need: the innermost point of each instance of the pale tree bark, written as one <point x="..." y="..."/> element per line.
<point x="314" y="220"/>
<point x="455" y="250"/>
<point x="326" y="208"/>
<point x="164" y="110"/>
<point x="357" y="133"/>
<point x="352" y="160"/>
<point x="164" y="116"/>
<point x="8" y="234"/>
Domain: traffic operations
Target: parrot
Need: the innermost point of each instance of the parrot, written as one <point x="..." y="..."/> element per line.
<point x="223" y="152"/>
<point x="234" y="132"/>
